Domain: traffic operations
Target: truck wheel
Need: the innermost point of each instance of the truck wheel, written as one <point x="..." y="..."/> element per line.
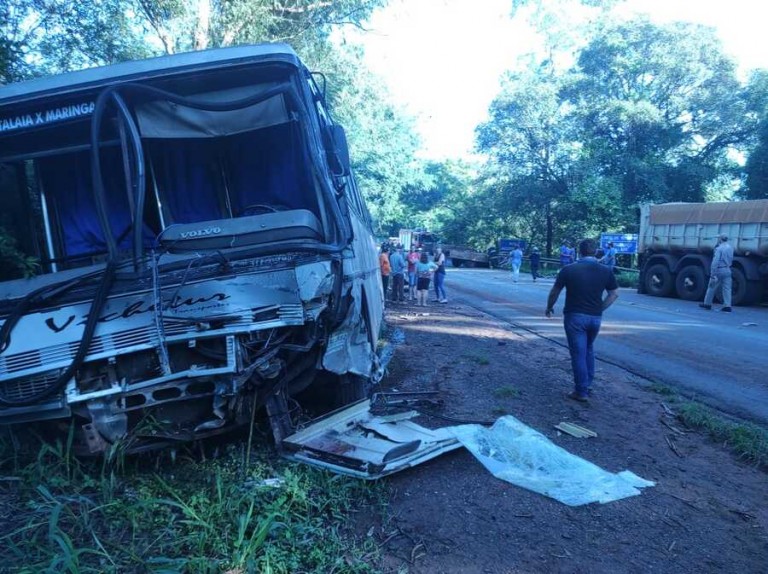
<point x="658" y="280"/>
<point x="745" y="292"/>
<point x="455" y="262"/>
<point x="691" y="283"/>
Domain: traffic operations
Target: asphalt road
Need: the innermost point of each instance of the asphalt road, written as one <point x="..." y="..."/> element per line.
<point x="720" y="359"/>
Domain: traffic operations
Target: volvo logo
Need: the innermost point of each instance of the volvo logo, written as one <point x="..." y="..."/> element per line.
<point x="200" y="232"/>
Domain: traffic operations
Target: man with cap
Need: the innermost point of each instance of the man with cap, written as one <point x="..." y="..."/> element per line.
<point x="720" y="278"/>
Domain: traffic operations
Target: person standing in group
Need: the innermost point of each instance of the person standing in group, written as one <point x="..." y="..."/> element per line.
<point x="397" y="261"/>
<point x="535" y="263"/>
<point x="566" y="254"/>
<point x="516" y="260"/>
<point x="413" y="258"/>
<point x="584" y="283"/>
<point x="385" y="267"/>
<point x="720" y="276"/>
<point x="424" y="269"/>
<point x="609" y="258"/>
<point x="440" y="276"/>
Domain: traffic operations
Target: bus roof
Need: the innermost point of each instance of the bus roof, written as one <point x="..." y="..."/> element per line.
<point x="89" y="78"/>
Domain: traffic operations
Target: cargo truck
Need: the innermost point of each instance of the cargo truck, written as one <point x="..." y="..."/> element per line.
<point x="676" y="243"/>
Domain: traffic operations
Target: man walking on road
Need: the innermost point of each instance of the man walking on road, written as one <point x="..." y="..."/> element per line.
<point x="566" y="254"/>
<point x="584" y="283"/>
<point x="516" y="259"/>
<point x="720" y="277"/>
<point x="609" y="258"/>
<point x="535" y="262"/>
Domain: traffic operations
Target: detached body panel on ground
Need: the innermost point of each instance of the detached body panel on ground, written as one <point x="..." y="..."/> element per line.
<point x="203" y="249"/>
<point x="677" y="241"/>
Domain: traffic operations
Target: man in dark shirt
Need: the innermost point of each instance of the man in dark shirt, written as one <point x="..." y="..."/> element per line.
<point x="584" y="283"/>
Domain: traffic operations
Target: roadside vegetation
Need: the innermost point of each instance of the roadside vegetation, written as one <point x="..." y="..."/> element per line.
<point x="185" y="513"/>
<point x="747" y="440"/>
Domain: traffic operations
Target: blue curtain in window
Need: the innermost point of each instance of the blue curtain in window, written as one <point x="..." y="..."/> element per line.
<point x="267" y="167"/>
<point x="66" y="180"/>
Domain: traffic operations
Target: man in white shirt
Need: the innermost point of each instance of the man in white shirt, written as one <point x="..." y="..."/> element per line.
<point x="720" y="277"/>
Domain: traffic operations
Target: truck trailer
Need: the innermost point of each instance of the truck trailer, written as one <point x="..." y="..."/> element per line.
<point x="676" y="243"/>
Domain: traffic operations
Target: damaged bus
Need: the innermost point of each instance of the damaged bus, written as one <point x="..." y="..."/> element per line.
<point x="201" y="249"/>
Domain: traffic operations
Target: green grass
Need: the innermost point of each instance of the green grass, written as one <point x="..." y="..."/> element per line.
<point x="748" y="440"/>
<point x="662" y="389"/>
<point x="479" y="359"/>
<point x="506" y="392"/>
<point x="154" y="514"/>
<point x="627" y="279"/>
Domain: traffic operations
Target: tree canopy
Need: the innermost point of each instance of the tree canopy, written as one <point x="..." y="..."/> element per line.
<point x="618" y="114"/>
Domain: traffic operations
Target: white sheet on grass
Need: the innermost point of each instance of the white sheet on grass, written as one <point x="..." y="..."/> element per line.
<point x="523" y="456"/>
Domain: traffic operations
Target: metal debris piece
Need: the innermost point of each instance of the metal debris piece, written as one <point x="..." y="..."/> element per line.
<point x="575" y="430"/>
<point x="356" y="442"/>
<point x="389" y="403"/>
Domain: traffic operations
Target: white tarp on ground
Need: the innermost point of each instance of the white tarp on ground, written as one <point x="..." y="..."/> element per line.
<point x="518" y="454"/>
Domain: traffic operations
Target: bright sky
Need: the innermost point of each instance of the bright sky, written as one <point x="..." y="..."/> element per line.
<point x="442" y="59"/>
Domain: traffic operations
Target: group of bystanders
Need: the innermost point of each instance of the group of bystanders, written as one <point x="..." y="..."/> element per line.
<point x="419" y="271"/>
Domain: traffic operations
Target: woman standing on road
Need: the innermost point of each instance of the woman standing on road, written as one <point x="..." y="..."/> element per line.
<point x="386" y="269"/>
<point x="424" y="270"/>
<point x="440" y="276"/>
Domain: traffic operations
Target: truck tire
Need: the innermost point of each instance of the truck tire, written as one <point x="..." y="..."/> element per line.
<point x="658" y="280"/>
<point x="455" y="262"/>
<point x="691" y="283"/>
<point x="745" y="292"/>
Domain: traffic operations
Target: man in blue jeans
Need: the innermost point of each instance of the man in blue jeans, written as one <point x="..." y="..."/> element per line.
<point x="584" y="283"/>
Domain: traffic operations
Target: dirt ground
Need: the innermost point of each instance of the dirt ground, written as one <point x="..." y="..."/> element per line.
<point x="707" y="513"/>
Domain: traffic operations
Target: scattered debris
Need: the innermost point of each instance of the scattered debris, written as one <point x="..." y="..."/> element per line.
<point x="745" y="515"/>
<point x="575" y="430"/>
<point x="389" y="403"/>
<point x="667" y="410"/>
<point x="671" y="427"/>
<point x="356" y="442"/>
<point x="673" y="447"/>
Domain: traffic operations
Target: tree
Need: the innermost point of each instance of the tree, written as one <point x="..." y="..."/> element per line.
<point x="659" y="108"/>
<point x="198" y="24"/>
<point x="382" y="139"/>
<point x="757" y="167"/>
<point x="532" y="153"/>
<point x="42" y="37"/>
